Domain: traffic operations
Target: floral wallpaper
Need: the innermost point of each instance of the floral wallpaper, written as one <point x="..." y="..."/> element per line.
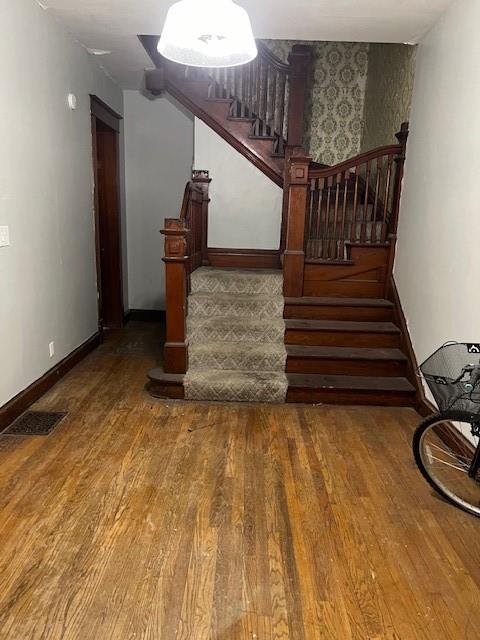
<point x="391" y="69"/>
<point x="335" y="97"/>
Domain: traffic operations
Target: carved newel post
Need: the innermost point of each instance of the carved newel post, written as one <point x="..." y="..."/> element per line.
<point x="294" y="256"/>
<point x="175" y="352"/>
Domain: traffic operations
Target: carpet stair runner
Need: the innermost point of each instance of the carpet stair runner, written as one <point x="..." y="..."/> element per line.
<point x="235" y="331"/>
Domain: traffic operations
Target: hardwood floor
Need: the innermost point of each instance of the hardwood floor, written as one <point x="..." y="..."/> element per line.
<point x="141" y="518"/>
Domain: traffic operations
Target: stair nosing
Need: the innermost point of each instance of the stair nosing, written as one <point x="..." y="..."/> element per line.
<point x="224" y="295"/>
<point x="345" y="353"/>
<point x="326" y="301"/>
<point x="341" y="326"/>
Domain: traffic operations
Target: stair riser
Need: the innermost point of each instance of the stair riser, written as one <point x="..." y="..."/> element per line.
<point x="314" y="312"/>
<point x="202" y="334"/>
<point x="346" y="367"/>
<point x="238" y="363"/>
<point x="335" y="396"/>
<point x="339" y="289"/>
<point x="214" y="308"/>
<point x="341" y="339"/>
<point x="238" y="286"/>
<point x="234" y="393"/>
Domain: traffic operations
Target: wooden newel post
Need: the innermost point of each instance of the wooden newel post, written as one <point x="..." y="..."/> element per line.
<point x="300" y="60"/>
<point x="402" y="137"/>
<point x="176" y="260"/>
<point x="201" y="178"/>
<point x="294" y="256"/>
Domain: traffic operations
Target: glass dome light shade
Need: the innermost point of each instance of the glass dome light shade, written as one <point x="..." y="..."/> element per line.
<point x="211" y="33"/>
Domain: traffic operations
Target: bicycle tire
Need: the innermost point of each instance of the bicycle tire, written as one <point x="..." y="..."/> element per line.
<point x="423" y="427"/>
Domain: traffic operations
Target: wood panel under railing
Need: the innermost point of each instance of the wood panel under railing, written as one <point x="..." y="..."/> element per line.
<point x="330" y="210"/>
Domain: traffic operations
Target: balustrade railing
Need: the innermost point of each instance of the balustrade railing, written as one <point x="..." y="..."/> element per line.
<point x="350" y="203"/>
<point x="329" y="209"/>
<point x="262" y="91"/>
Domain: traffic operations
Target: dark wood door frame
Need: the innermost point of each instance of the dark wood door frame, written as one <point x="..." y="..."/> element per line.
<point x="105" y="122"/>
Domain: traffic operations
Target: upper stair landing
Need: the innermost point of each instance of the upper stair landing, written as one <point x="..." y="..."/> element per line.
<point x="257" y="108"/>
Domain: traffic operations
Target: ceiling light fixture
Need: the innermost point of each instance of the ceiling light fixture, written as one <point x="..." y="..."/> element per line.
<point x="212" y="33"/>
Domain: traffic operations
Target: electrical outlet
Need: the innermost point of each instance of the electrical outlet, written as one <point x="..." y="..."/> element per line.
<point x="4" y="236"/>
<point x="51" y="349"/>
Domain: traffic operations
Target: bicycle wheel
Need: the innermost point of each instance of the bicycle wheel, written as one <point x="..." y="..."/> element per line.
<point x="447" y="453"/>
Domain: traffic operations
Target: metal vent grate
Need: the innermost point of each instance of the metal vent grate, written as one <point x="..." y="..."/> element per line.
<point x="35" y="423"/>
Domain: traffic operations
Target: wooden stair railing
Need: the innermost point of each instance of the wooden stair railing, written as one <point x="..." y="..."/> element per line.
<point x="258" y="108"/>
<point x="330" y="210"/>
<point x="185" y="251"/>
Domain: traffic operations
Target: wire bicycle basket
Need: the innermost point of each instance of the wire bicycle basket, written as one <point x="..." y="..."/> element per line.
<point x="442" y="372"/>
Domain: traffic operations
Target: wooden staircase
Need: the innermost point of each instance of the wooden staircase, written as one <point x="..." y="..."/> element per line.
<point x="345" y="349"/>
<point x="343" y="338"/>
<point x="257" y="108"/>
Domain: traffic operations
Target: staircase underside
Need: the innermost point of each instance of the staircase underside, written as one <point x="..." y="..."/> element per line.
<point x="248" y="343"/>
<point x="195" y="95"/>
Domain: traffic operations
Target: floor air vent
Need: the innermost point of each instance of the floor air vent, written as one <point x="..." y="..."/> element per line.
<point x="35" y="423"/>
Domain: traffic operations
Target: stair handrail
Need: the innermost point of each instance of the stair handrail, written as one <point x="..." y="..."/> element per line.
<point x="355" y="161"/>
<point x="267" y="54"/>
<point x="185" y="251"/>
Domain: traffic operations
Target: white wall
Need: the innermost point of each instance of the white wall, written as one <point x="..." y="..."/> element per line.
<point x="437" y="268"/>
<point x="47" y="274"/>
<point x="158" y="163"/>
<point x="246" y="207"/>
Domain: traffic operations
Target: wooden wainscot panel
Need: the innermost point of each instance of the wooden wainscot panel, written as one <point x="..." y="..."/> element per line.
<point x="363" y="276"/>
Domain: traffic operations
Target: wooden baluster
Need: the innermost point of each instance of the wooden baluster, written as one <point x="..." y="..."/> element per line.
<point x="363" y="233"/>
<point x="253" y="89"/>
<point x="236" y="83"/>
<point x="274" y="103"/>
<point x="338" y="179"/>
<point x="264" y="98"/>
<point x="258" y="86"/>
<point x="281" y="106"/>
<point x="379" y="169"/>
<point x="311" y="239"/>
<point x="318" y="228"/>
<point x="243" y="93"/>
<point x="346" y="177"/>
<point x="386" y="200"/>
<point x="311" y="219"/>
<point x="326" y="226"/>
<point x="353" y="230"/>
<point x="294" y="256"/>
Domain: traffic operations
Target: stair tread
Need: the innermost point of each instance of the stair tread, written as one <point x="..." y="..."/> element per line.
<point x="158" y="374"/>
<point x="233" y="272"/>
<point x="354" y="383"/>
<point x="236" y="374"/>
<point x="234" y="321"/>
<point x="345" y="353"/>
<point x="237" y="347"/>
<point x="238" y="297"/>
<point x="342" y="325"/>
<point x="339" y="302"/>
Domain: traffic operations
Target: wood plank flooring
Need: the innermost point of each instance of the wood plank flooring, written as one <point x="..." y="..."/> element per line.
<point x="141" y="518"/>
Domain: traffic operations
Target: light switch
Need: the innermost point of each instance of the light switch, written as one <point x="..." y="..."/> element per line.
<point x="4" y="237"/>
